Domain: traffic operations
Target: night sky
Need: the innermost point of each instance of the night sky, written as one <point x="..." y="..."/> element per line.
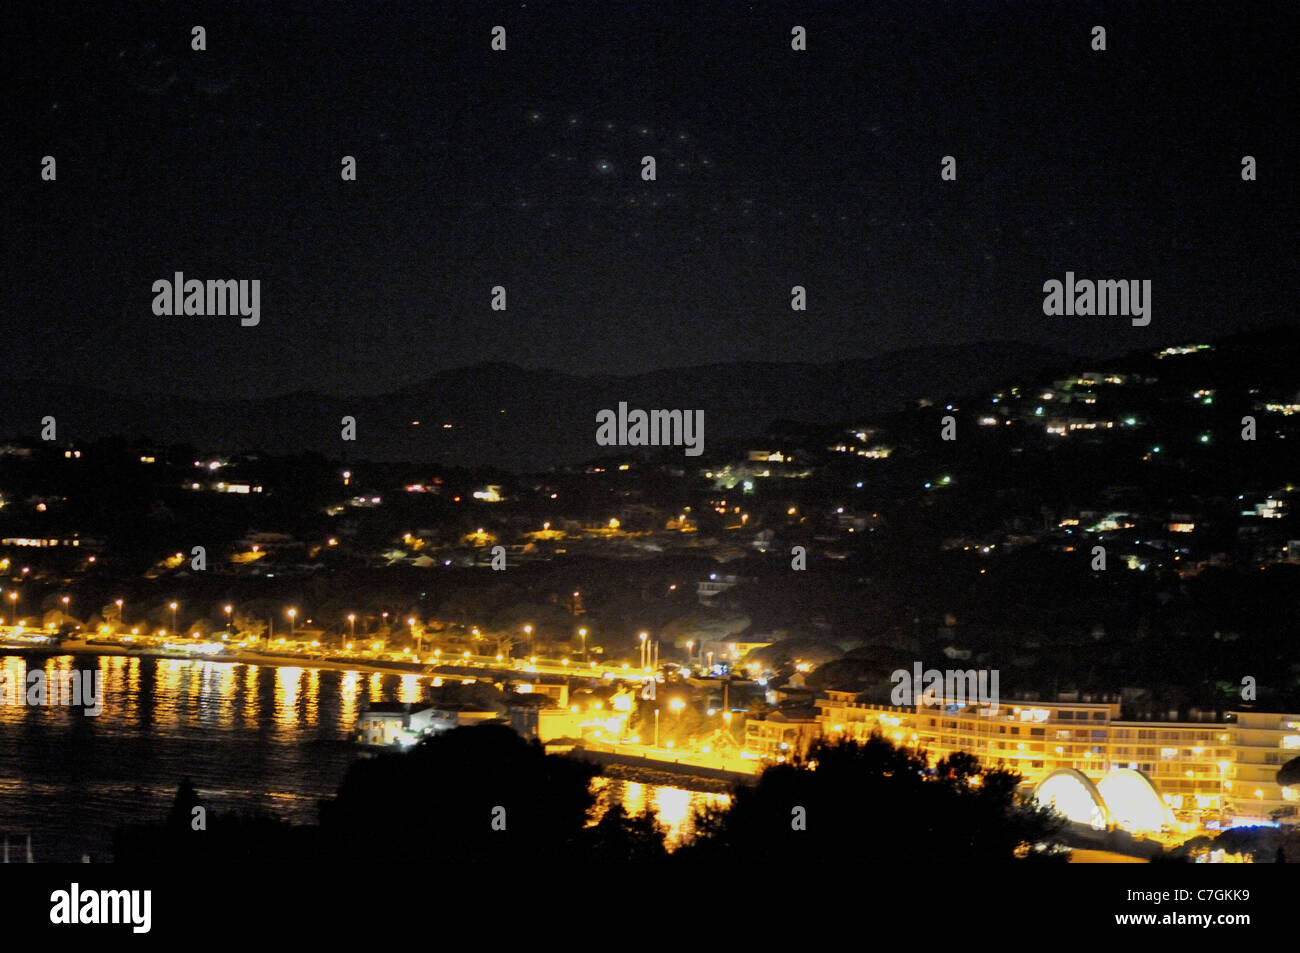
<point x="775" y="168"/>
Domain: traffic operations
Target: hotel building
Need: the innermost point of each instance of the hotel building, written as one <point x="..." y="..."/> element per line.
<point x="1203" y="770"/>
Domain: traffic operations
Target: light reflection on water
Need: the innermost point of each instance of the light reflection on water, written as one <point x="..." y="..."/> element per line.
<point x="675" y="807"/>
<point x="252" y="738"/>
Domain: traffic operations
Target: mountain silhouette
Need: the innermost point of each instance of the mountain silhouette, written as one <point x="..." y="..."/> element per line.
<point x="518" y="418"/>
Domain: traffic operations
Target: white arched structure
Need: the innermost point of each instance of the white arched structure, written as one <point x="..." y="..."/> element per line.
<point x="1133" y="802"/>
<point x="1071" y="793"/>
<point x="1124" y="798"/>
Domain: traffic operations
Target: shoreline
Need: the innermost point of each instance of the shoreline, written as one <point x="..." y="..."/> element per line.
<point x="611" y="764"/>
<point x="232" y="658"/>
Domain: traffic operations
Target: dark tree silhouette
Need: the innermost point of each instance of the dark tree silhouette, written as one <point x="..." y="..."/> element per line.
<point x="620" y="838"/>
<point x="179" y="818"/>
<point x="473" y="794"/>
<point x="874" y="801"/>
<point x="1289" y="773"/>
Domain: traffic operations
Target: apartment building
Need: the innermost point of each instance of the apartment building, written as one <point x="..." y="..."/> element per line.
<point x="1204" y="771"/>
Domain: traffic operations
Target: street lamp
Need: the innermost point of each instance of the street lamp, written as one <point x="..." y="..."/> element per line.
<point x="172" y="606"/>
<point x="656" y="728"/>
<point x="293" y="615"/>
<point x="690" y="650"/>
<point x="528" y="631"/>
<point x="352" y="625"/>
<point x="230" y="615"/>
<point x="118" y="603"/>
<point x="582" y="633"/>
<point x="644" y="636"/>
